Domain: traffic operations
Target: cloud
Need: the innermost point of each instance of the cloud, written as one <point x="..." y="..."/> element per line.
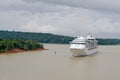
<point x="37" y="26"/>
<point x="34" y="8"/>
<point x="73" y="24"/>
<point x="66" y="17"/>
<point x="103" y="5"/>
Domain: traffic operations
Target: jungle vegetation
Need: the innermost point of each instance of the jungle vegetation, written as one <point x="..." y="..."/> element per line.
<point x="10" y="44"/>
<point x="49" y="38"/>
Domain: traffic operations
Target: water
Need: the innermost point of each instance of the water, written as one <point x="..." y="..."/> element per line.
<point x="57" y="63"/>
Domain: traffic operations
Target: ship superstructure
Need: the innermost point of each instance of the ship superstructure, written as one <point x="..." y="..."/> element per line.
<point x="82" y="46"/>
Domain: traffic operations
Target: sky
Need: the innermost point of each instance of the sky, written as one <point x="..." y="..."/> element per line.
<point x="100" y="18"/>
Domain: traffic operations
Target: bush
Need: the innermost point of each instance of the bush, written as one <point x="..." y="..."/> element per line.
<point x="7" y="44"/>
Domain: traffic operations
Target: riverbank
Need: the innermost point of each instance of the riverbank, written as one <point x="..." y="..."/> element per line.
<point x="19" y="45"/>
<point x="16" y="50"/>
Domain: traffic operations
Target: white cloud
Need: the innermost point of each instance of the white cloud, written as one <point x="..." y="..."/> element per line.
<point x="73" y="23"/>
<point x="35" y="25"/>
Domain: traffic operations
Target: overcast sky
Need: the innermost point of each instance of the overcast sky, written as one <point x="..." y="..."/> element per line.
<point x="65" y="17"/>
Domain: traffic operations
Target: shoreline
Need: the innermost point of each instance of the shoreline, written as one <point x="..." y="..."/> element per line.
<point x="17" y="50"/>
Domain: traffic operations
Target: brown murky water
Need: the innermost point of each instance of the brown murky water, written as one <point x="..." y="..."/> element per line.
<point x="57" y="63"/>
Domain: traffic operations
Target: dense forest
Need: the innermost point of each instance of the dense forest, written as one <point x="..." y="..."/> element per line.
<point x="10" y="44"/>
<point x="49" y="38"/>
<point x="40" y="37"/>
<point x="108" y="41"/>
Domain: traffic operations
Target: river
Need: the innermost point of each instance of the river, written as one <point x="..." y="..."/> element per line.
<point x="57" y="63"/>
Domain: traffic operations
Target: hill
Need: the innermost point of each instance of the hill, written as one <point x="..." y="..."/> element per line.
<point x="49" y="38"/>
<point x="40" y="37"/>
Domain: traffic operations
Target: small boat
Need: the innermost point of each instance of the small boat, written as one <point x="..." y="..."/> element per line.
<point x="83" y="46"/>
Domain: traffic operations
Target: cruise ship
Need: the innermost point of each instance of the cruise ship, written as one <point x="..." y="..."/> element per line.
<point x="83" y="46"/>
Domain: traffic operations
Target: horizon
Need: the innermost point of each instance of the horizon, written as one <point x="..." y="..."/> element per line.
<point x="64" y="17"/>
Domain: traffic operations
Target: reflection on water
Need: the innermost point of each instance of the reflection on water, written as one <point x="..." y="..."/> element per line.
<point x="57" y="63"/>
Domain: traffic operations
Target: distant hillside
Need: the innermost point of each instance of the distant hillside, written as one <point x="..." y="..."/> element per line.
<point x="49" y="38"/>
<point x="40" y="37"/>
<point x="108" y="41"/>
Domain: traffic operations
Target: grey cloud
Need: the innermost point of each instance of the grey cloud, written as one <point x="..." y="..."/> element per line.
<point x="39" y="6"/>
<point x="67" y="17"/>
<point x="35" y="8"/>
<point x="100" y="5"/>
<point x="73" y="24"/>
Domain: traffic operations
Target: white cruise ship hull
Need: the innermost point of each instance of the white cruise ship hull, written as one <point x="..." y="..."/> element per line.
<point x="83" y="52"/>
